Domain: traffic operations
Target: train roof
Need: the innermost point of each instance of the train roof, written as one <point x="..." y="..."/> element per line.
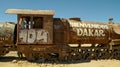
<point x="23" y="11"/>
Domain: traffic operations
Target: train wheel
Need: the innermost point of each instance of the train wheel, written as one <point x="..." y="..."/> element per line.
<point x="116" y="55"/>
<point x="90" y="55"/>
<point x="80" y="56"/>
<point x="104" y="55"/>
<point x="77" y="56"/>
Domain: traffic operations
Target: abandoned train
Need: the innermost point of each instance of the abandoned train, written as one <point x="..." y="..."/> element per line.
<point x="38" y="35"/>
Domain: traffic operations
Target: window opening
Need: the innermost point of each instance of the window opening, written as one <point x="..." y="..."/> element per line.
<point x="38" y="22"/>
<point x="25" y="23"/>
<point x="31" y="22"/>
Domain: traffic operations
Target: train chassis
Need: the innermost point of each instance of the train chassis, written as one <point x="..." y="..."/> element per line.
<point x="64" y="52"/>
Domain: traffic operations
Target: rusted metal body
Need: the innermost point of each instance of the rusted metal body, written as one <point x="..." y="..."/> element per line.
<point x="40" y="36"/>
<point x="6" y="37"/>
<point x="61" y="31"/>
<point x="7" y="33"/>
<point x="88" y="33"/>
<point x="80" y="32"/>
<point x="115" y="33"/>
<point x="34" y="35"/>
<point x="74" y="31"/>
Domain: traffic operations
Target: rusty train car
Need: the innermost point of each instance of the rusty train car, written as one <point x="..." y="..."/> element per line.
<point x="6" y="37"/>
<point x="38" y="35"/>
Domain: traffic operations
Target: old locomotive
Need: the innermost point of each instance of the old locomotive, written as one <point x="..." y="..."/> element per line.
<point x="38" y="35"/>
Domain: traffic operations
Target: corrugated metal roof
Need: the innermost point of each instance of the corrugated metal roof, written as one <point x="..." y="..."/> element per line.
<point x="23" y="11"/>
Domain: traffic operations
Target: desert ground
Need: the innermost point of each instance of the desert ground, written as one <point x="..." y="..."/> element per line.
<point x="11" y="60"/>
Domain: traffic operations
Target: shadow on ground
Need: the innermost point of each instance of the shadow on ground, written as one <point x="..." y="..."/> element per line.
<point x="12" y="58"/>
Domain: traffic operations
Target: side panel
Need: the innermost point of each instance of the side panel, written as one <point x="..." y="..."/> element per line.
<point x="33" y="36"/>
<point x="61" y="34"/>
<point x="23" y="36"/>
<point x="36" y="31"/>
<point x="88" y="33"/>
<point x="42" y="36"/>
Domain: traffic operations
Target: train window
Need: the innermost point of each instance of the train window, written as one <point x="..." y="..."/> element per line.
<point x="25" y="23"/>
<point x="31" y="22"/>
<point x="38" y="22"/>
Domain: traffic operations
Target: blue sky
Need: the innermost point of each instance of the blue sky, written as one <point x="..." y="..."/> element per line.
<point x="90" y="10"/>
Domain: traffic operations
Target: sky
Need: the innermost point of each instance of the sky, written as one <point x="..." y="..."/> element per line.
<point x="87" y="10"/>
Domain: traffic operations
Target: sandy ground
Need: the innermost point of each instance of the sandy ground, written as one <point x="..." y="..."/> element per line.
<point x="11" y="60"/>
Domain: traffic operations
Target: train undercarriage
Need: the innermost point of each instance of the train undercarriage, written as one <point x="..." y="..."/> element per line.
<point x="67" y="53"/>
